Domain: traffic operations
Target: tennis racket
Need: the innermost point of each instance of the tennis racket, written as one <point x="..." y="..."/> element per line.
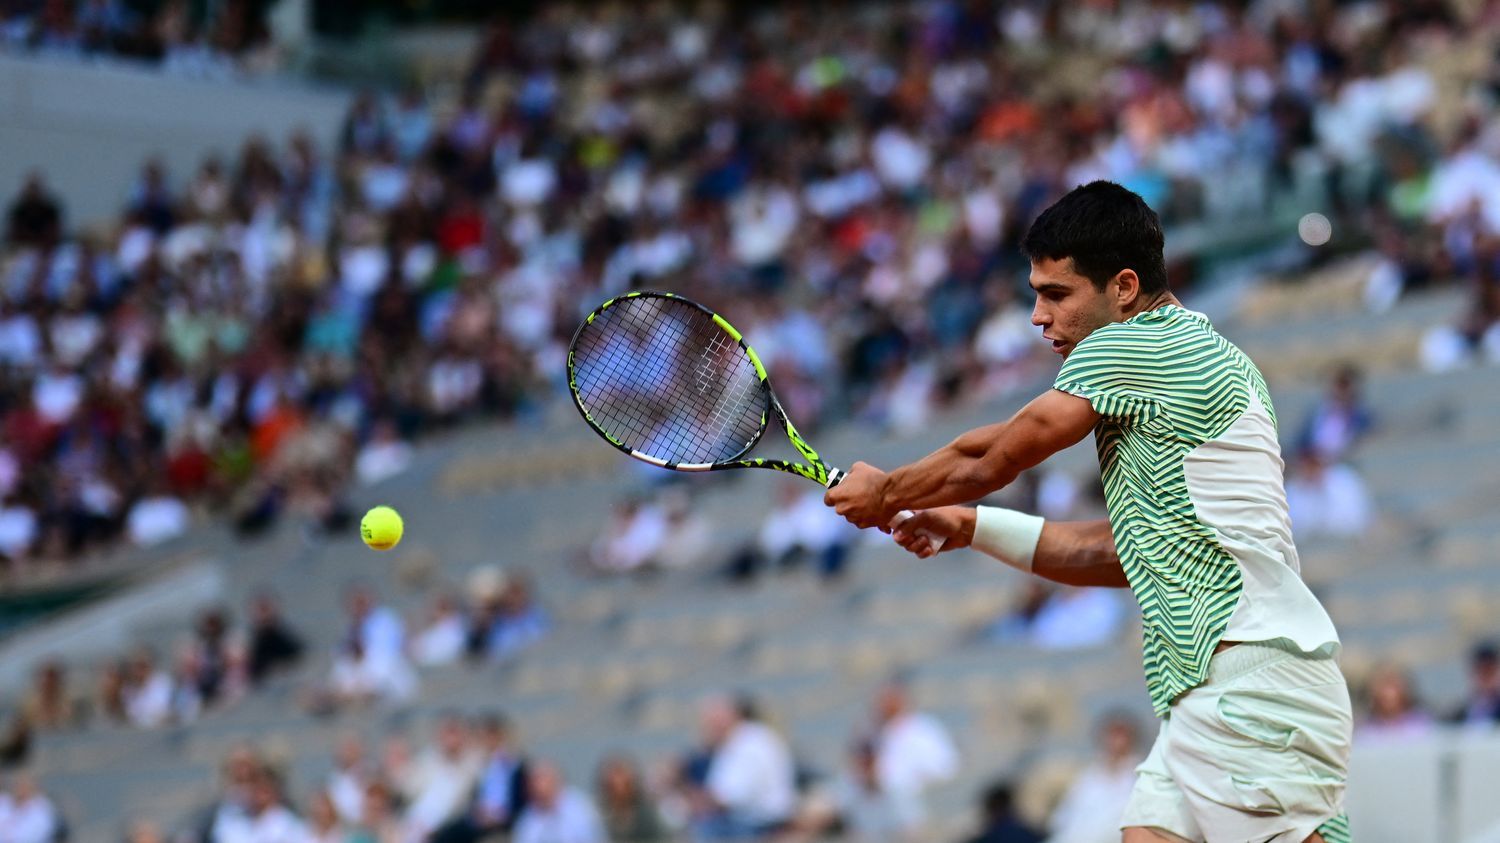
<point x="671" y="383"/>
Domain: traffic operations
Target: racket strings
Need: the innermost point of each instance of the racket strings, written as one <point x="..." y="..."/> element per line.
<point x="740" y="393"/>
<point x="660" y="377"/>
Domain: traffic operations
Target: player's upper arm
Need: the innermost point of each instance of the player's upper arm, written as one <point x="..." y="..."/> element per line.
<point x="1052" y="422"/>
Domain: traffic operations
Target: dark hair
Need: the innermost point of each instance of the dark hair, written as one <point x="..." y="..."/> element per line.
<point x="746" y="707"/>
<point x="1104" y="228"/>
<point x="493" y="721"/>
<point x="996" y="801"/>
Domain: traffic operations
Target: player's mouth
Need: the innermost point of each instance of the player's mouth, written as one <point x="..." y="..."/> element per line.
<point x="1057" y="345"/>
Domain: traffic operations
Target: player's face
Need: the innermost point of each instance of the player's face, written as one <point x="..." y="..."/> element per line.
<point x="1068" y="306"/>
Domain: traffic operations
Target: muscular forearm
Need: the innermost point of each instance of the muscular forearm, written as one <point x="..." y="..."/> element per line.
<point x="1079" y="553"/>
<point x="966" y="469"/>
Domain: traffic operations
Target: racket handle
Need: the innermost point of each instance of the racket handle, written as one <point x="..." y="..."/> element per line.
<point x="937" y="542"/>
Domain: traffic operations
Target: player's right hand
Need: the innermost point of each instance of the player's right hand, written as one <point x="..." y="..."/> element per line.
<point x="953" y="524"/>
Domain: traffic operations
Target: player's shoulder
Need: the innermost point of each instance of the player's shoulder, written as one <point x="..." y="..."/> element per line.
<point x="1118" y="336"/>
<point x="1145" y="346"/>
<point x="1153" y="326"/>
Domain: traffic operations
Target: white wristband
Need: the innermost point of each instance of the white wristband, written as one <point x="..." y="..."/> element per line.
<point x="1007" y="535"/>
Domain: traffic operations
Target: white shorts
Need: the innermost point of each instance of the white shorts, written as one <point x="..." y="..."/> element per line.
<point x="1258" y="752"/>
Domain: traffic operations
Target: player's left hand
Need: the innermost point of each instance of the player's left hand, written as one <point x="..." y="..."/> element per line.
<point x="860" y="497"/>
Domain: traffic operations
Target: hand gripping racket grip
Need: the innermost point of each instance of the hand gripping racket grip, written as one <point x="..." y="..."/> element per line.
<point x="835" y="476"/>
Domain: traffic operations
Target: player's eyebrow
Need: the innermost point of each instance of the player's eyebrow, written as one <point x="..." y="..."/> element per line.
<point x="1048" y="287"/>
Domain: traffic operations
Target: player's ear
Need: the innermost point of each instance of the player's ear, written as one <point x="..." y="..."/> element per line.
<point x="1127" y="288"/>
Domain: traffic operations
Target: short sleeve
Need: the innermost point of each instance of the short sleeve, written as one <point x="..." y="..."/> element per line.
<point x="1114" y="369"/>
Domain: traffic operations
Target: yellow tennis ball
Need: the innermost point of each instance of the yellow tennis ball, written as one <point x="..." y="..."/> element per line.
<point x="381" y="528"/>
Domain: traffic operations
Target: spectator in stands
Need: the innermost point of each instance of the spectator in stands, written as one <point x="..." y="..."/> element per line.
<point x="211" y="655"/>
<point x="15" y="742"/>
<point x="629" y="814"/>
<point x="274" y="646"/>
<point x="147" y="690"/>
<point x="110" y="693"/>
<point x="1481" y="709"/>
<point x="857" y="804"/>
<point x="556" y="812"/>
<point x="324" y="825"/>
<point x="19" y="527"/>
<point x="359" y="678"/>
<point x="442" y="777"/>
<point x="237" y="778"/>
<point x="796" y="529"/>
<point x="443" y="636"/>
<point x="521" y="621"/>
<point x="1394" y="712"/>
<point x="384" y="456"/>
<point x="157" y="517"/>
<point x="1074" y="618"/>
<point x="999" y="823"/>
<point x="1340" y="419"/>
<point x="34" y="219"/>
<point x="266" y="817"/>
<point x="186" y="702"/>
<point x="503" y="791"/>
<point x="26" y="814"/>
<point x="1327" y="499"/>
<point x="484" y="588"/>
<point x="748" y="789"/>
<point x="49" y="706"/>
<point x="632" y="539"/>
<point x="1015" y="624"/>
<point x="1091" y="808"/>
<point x="376" y="629"/>
<point x="1060" y="617"/>
<point x="46" y="707"/>
<point x="379" y="819"/>
<point x="689" y="538"/>
<point x="350" y="778"/>
<point x="913" y="752"/>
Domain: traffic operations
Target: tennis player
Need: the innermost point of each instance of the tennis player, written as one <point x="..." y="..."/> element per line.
<point x="1239" y="655"/>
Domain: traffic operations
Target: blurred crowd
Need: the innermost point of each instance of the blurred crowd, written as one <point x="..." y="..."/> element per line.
<point x="214" y="666"/>
<point x="213" y="40"/>
<point x="377" y="661"/>
<point x="471" y="779"/>
<point x="254" y="334"/>
<point x="1394" y="709"/>
<point x="467" y="776"/>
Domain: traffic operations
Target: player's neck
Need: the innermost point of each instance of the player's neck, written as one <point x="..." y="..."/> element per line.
<point x="1159" y="300"/>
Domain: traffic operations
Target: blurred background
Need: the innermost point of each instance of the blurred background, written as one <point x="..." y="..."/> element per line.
<point x="267" y="263"/>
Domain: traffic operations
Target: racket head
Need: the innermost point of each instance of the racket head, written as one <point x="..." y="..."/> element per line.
<point x="668" y="381"/>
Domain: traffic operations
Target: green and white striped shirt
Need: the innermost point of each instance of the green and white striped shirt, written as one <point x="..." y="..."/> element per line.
<point x="1193" y="482"/>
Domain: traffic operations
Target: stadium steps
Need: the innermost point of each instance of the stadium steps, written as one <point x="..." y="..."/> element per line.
<point x="1332" y="290"/>
<point x="1298" y="347"/>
